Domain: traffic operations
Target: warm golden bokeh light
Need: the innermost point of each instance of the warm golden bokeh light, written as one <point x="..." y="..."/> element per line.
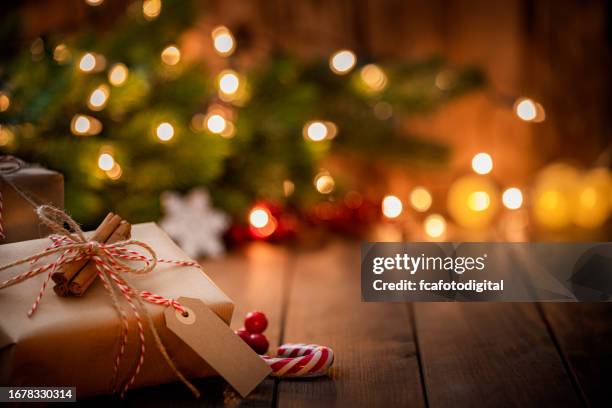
<point x="392" y="206"/>
<point x="84" y="125"/>
<point x="151" y="9"/>
<point x="6" y="136"/>
<point x="512" y="198"/>
<point x="106" y="161"/>
<point x="342" y="62"/>
<point x="529" y="110"/>
<point x="171" y="55"/>
<point x="473" y="201"/>
<point x="61" y="53"/>
<point x="288" y="187"/>
<point x="118" y="74"/>
<point x="87" y="62"/>
<point x="482" y="163"/>
<point x="115" y="172"/>
<point x="324" y="183"/>
<point x="94" y="3"/>
<point x="5" y="102"/>
<point x="98" y="98"/>
<point x="216" y="123"/>
<point x="228" y="82"/>
<point x="315" y="131"/>
<point x="373" y="77"/>
<point x="223" y="41"/>
<point x="420" y="199"/>
<point x="164" y="131"/>
<point x="259" y="217"/>
<point x="479" y="201"/>
<point x="435" y="225"/>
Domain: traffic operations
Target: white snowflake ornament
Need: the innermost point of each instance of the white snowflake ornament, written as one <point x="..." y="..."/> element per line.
<point x="194" y="223"/>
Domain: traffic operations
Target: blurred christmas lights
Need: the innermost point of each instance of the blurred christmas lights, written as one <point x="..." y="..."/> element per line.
<point x="216" y="123"/>
<point x="115" y="172"/>
<point x="84" y="125"/>
<point x="164" y="131"/>
<point x="482" y="163"/>
<point x="106" y="161"/>
<point x="373" y="77"/>
<point x="324" y="182"/>
<point x="61" y="53"/>
<point x="342" y="62"/>
<point x="262" y="223"/>
<point x="228" y="82"/>
<point x="512" y="198"/>
<point x="392" y="206"/>
<point x="434" y="225"/>
<point x="420" y="199"/>
<point x="87" y="62"/>
<point x="171" y="55"/>
<point x="118" y="74"/>
<point x="5" y="102"/>
<point x="98" y="98"/>
<point x="151" y="9"/>
<point x="529" y="110"/>
<point x="223" y="41"/>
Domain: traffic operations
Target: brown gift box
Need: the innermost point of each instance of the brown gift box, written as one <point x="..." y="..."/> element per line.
<point x="73" y="341"/>
<point x="18" y="217"/>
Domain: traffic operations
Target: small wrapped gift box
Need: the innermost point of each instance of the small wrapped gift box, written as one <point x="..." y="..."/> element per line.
<point x="73" y="341"/>
<point x="18" y="219"/>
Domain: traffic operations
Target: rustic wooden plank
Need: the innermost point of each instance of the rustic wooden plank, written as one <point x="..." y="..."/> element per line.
<point x="490" y="354"/>
<point x="253" y="278"/>
<point x="584" y="335"/>
<point x="376" y="362"/>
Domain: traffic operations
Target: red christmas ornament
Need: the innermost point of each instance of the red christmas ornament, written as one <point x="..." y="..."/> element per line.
<point x="259" y="343"/>
<point x="243" y="334"/>
<point x="255" y="322"/>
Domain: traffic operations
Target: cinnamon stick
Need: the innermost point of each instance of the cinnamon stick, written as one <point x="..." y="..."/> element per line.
<point x="61" y="290"/>
<point x="102" y="233"/>
<point x="88" y="274"/>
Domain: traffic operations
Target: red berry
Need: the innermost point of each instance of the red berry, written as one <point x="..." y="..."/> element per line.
<point x="244" y="335"/>
<point x="258" y="343"/>
<point x="255" y="322"/>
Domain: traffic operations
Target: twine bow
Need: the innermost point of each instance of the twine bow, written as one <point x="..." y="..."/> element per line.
<point x="71" y="245"/>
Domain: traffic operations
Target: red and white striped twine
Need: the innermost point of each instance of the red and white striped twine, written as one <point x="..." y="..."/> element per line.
<point x="110" y="263"/>
<point x="300" y="360"/>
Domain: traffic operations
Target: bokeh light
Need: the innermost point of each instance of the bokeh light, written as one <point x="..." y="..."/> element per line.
<point x="324" y="182"/>
<point x="435" y="225"/>
<point x="87" y="62"/>
<point x="342" y="62"/>
<point x="512" y="198"/>
<point x="420" y="199"/>
<point x="5" y="102"/>
<point x="106" y="161"/>
<point x="118" y="74"/>
<point x="223" y="41"/>
<point x="164" y="131"/>
<point x="259" y="217"/>
<point x="98" y="98"/>
<point x="392" y="206"/>
<point x="482" y="163"/>
<point x="171" y="55"/>
<point x="228" y="82"/>
<point x="151" y="9"/>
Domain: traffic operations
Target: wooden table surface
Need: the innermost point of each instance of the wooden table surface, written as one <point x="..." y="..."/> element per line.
<point x="399" y="354"/>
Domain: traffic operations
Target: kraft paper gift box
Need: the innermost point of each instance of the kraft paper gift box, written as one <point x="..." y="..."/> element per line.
<point x="72" y="341"/>
<point x="18" y="217"/>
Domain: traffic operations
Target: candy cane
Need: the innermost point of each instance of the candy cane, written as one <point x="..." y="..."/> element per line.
<point x="300" y="360"/>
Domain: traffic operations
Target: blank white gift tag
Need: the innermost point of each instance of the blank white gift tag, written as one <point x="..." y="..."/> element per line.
<point x="218" y="345"/>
